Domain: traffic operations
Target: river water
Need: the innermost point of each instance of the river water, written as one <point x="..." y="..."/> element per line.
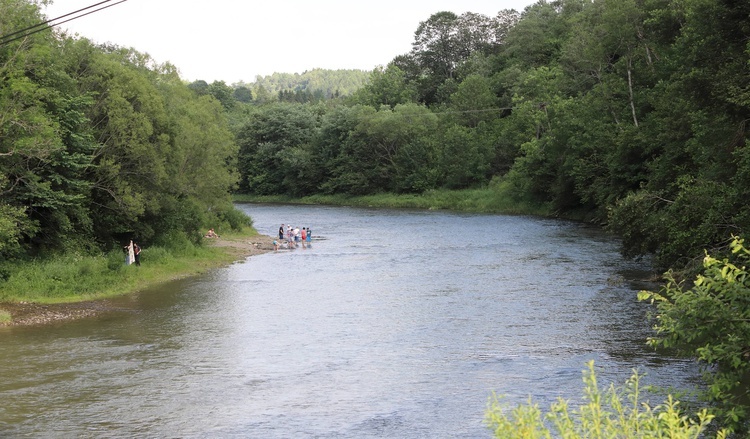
<point x="395" y="324"/>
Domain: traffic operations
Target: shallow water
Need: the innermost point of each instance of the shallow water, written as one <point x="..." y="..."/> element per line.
<point x="394" y="324"/>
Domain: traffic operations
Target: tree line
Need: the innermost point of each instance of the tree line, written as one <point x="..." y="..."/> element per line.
<point x="628" y="113"/>
<point x="99" y="143"/>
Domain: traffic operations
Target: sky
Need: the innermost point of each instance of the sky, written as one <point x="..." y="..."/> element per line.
<point x="236" y="40"/>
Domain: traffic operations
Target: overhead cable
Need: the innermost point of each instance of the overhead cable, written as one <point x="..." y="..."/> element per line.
<point x="5" y="39"/>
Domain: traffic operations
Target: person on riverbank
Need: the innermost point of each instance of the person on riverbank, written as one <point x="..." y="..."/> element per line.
<point x="129" y="253"/>
<point x="137" y="254"/>
<point x="303" y="237"/>
<point x="309" y="237"/>
<point x="281" y="233"/>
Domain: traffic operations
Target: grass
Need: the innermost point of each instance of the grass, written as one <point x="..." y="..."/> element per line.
<point x="4" y="316"/>
<point x="498" y="197"/>
<point x="74" y="277"/>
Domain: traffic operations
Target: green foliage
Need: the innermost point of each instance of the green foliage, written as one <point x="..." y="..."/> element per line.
<point x="115" y="260"/>
<point x="222" y="93"/>
<point x="230" y="217"/>
<point x="614" y="413"/>
<point x="711" y="321"/>
<point x="274" y="144"/>
<point x="13" y="224"/>
<point x="177" y="243"/>
<point x="316" y="82"/>
<point x="387" y="86"/>
<point x="76" y="277"/>
<point x="98" y="142"/>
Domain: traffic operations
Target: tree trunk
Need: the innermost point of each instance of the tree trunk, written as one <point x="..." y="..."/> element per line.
<point x="630" y="90"/>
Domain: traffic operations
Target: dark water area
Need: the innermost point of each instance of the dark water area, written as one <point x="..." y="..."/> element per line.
<point x="395" y="324"/>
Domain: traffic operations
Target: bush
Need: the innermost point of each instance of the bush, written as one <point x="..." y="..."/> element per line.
<point x="156" y="255"/>
<point x="177" y="242"/>
<point x="235" y="218"/>
<point x="616" y="413"/>
<point x="115" y="260"/>
<point x="711" y="321"/>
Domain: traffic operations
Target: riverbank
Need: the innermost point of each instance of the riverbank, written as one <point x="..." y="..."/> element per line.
<point x="37" y="312"/>
<point x="499" y="197"/>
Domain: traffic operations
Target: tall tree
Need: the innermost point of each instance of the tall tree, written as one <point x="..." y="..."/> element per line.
<point x="387" y="86"/>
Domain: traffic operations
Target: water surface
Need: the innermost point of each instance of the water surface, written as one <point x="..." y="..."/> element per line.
<point x="394" y="324"/>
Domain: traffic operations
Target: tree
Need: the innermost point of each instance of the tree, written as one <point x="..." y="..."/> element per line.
<point x="200" y="87"/>
<point x="45" y="140"/>
<point x="387" y="86"/>
<point x="474" y="101"/>
<point x="441" y="44"/>
<point x="270" y="142"/>
<point x="222" y="93"/>
<point x="464" y="159"/>
<point x="334" y="150"/>
<point x="242" y="94"/>
<point x="384" y="152"/>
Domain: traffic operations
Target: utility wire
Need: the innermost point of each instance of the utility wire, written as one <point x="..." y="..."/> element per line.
<point x="53" y="19"/>
<point x="5" y="39"/>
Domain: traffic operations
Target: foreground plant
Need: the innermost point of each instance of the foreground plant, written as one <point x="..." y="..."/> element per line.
<point x="614" y="413"/>
<point x="711" y="321"/>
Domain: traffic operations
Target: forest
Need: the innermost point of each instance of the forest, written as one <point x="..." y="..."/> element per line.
<point x="99" y="143"/>
<point x="630" y="114"/>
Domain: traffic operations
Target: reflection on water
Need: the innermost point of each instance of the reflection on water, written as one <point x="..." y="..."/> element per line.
<point x="397" y="324"/>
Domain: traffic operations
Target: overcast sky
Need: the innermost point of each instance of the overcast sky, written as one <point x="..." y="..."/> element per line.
<point x="235" y="40"/>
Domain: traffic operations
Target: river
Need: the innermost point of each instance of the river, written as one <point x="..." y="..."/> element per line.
<point x="394" y="324"/>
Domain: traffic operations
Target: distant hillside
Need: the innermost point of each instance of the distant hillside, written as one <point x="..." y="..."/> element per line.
<point x="329" y="83"/>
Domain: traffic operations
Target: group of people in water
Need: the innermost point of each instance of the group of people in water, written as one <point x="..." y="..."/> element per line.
<point x="292" y="237"/>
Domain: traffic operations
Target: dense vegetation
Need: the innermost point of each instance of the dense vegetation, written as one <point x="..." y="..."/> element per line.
<point x="628" y="113"/>
<point x="310" y="86"/>
<point x="99" y="144"/>
<point x="615" y="413"/>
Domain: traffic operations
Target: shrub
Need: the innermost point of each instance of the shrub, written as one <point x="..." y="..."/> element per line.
<point x="115" y="260"/>
<point x="5" y="316"/>
<point x="177" y="242"/>
<point x="235" y="218"/>
<point x="615" y="413"/>
<point x="156" y="255"/>
<point x="711" y="321"/>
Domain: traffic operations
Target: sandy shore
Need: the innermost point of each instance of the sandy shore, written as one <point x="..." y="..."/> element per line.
<point x="27" y="313"/>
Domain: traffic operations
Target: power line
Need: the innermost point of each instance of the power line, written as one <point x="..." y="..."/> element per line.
<point x="5" y="39"/>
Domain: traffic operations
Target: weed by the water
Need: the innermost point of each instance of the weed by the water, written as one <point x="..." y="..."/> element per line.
<point x="5" y="316"/>
<point x="615" y="412"/>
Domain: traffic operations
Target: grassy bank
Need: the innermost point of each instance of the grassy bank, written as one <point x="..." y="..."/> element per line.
<point x="499" y="197"/>
<point x="77" y="278"/>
